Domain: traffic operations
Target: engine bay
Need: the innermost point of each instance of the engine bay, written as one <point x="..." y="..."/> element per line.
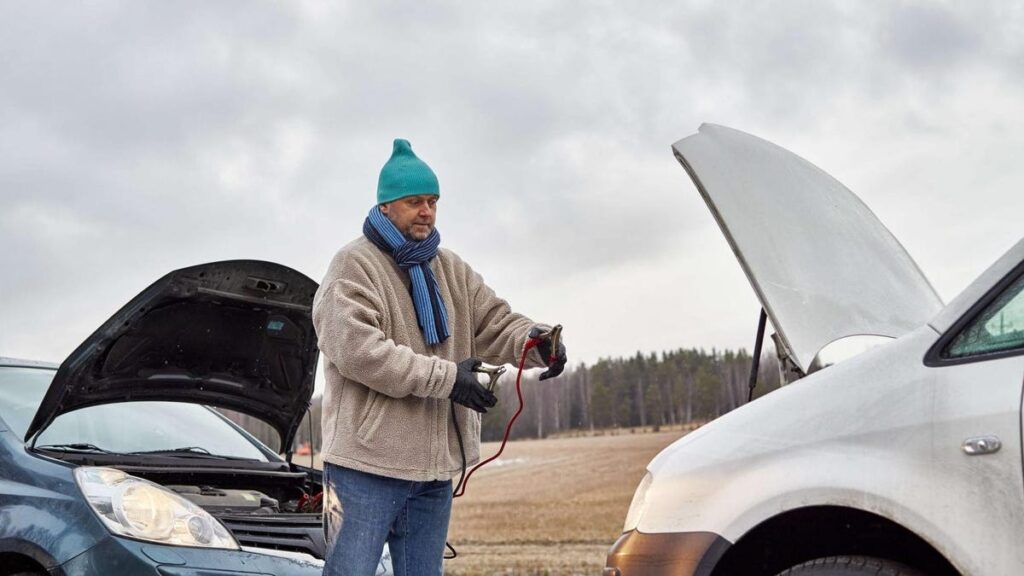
<point x="228" y="501"/>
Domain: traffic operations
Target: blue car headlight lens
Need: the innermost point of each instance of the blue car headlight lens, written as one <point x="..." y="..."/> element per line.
<point x="136" y="508"/>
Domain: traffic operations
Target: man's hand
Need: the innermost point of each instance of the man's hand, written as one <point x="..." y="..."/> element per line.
<point x="544" y="348"/>
<point x="468" y="391"/>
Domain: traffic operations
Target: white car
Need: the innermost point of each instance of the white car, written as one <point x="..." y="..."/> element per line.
<point x="905" y="459"/>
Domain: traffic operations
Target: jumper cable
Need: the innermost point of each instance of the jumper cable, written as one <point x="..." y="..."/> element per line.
<point x="554" y="334"/>
<point x="464" y="481"/>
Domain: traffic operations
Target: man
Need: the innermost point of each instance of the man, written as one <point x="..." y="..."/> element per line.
<point x="402" y="324"/>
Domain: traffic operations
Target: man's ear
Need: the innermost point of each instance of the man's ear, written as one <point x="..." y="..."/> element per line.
<point x="384" y="208"/>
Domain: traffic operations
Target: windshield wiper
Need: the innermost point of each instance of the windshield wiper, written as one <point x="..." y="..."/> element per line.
<point x="198" y="450"/>
<point x="76" y="447"/>
<point x="189" y="452"/>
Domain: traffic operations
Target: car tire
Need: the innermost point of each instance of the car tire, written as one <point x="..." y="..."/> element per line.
<point x="850" y="566"/>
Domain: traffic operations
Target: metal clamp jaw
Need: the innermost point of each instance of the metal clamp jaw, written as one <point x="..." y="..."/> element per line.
<point x="553" y="335"/>
<point x="492" y="372"/>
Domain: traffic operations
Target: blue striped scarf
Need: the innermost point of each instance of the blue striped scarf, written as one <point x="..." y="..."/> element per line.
<point x="413" y="257"/>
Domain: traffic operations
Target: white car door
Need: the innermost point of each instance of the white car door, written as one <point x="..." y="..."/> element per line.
<point x="979" y="376"/>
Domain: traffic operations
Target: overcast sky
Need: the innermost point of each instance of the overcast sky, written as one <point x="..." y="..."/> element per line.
<point x="140" y="137"/>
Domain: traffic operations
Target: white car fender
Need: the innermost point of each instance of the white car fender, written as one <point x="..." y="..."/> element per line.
<point x="880" y="433"/>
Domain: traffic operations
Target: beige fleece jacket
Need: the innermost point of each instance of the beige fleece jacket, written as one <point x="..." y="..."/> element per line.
<point x="385" y="408"/>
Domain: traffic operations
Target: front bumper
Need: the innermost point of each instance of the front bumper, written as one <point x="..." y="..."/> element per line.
<point x="671" y="553"/>
<point x="116" y="555"/>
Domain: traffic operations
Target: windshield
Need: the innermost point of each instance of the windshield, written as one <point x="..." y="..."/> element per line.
<point x="21" y="391"/>
<point x="123" y="427"/>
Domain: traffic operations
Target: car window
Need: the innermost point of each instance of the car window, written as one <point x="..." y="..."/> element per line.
<point x="21" y="391"/>
<point x="999" y="327"/>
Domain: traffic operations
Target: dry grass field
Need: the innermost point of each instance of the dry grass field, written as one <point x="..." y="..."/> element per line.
<point x="549" y="507"/>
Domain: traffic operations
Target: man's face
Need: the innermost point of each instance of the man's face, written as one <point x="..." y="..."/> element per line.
<point x="413" y="215"/>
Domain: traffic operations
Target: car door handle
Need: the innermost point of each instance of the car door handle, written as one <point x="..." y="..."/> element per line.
<point x="982" y="445"/>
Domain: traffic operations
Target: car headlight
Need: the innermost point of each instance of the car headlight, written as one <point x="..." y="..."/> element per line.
<point x="636" y="507"/>
<point x="137" y="508"/>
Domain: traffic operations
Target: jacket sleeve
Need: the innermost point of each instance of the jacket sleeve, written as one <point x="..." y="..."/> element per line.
<point x="500" y="333"/>
<point x="348" y="318"/>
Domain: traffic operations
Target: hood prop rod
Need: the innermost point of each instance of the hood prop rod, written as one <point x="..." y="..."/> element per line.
<point x="757" y="355"/>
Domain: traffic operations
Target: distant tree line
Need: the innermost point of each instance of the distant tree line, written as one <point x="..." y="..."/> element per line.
<point x="678" y="387"/>
<point x="671" y="388"/>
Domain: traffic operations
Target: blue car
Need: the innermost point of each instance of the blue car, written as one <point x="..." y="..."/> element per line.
<point x="113" y="462"/>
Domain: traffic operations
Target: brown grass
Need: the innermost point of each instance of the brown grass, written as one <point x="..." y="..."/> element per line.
<point x="549" y="507"/>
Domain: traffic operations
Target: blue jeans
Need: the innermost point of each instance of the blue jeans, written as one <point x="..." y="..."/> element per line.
<point x="363" y="511"/>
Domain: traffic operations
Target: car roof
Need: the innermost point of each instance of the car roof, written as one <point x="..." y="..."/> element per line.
<point x="22" y="363"/>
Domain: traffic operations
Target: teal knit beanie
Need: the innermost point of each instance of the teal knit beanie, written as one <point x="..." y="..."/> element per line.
<point x="405" y="175"/>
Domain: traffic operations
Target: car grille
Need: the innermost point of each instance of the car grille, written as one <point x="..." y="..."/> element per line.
<point x="290" y="532"/>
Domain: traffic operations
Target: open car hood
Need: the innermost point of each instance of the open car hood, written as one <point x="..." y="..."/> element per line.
<point x="235" y="335"/>
<point x="822" y="264"/>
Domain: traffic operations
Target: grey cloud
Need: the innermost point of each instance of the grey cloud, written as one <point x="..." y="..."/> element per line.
<point x="927" y="36"/>
<point x="139" y="137"/>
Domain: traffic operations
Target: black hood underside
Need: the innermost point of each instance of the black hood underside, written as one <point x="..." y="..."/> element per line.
<point x="235" y="335"/>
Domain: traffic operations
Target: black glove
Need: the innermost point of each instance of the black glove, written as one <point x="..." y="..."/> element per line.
<point x="468" y="391"/>
<point x="544" y="348"/>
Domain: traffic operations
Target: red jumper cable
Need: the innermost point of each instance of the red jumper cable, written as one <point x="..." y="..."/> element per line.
<point x="553" y="335"/>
